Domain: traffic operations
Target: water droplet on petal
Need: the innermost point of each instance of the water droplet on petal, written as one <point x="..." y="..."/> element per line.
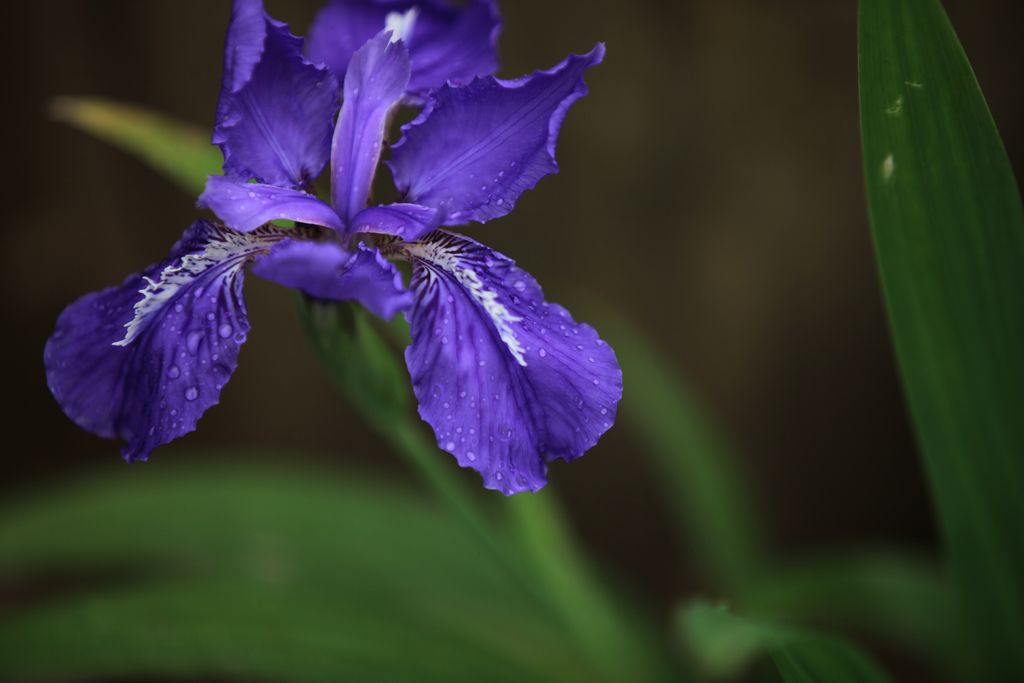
<point x="450" y="446"/>
<point x="192" y="393"/>
<point x="174" y="372"/>
<point x="192" y="341"/>
<point x="542" y="353"/>
<point x="225" y="331"/>
<point x="471" y="455"/>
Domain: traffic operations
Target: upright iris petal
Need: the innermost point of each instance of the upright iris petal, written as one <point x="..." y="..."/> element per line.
<point x="508" y="381"/>
<point x="276" y="108"/>
<point x="476" y="148"/>
<point x="143" y="361"/>
<point x="447" y="42"/>
<point x="375" y="82"/>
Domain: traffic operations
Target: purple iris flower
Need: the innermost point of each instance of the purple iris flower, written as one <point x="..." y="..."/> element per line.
<point x="508" y="381"/>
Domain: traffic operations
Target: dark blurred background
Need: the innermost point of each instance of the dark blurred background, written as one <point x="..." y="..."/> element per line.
<point x="711" y="190"/>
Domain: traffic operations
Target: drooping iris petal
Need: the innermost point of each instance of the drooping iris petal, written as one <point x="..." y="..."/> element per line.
<point x="508" y="381"/>
<point x="326" y="271"/>
<point x="407" y="221"/>
<point x="246" y="206"/>
<point x="143" y="361"/>
<point x="276" y="108"/>
<point x="476" y="148"/>
<point x="374" y="84"/>
<point x="446" y="41"/>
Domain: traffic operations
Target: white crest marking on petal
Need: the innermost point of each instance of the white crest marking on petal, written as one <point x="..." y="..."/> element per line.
<point x="442" y="254"/>
<point x="401" y="24"/>
<point x="224" y="247"/>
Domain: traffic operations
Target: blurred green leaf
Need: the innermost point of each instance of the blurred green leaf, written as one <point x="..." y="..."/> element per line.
<point x="177" y="150"/>
<point x="622" y="642"/>
<point x="949" y="234"/>
<point x="695" y="465"/>
<point x="725" y="646"/>
<point x="905" y="600"/>
<point x="259" y="573"/>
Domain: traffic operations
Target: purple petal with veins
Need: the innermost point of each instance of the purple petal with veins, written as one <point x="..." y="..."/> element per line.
<point x="476" y="148"/>
<point x="274" y="116"/>
<point x="246" y="206"/>
<point x="508" y="381"/>
<point x="143" y="361"/>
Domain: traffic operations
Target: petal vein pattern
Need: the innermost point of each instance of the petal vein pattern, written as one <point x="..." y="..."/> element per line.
<point x="443" y="253"/>
<point x="152" y="384"/>
<point x="507" y="380"/>
<point x="224" y="254"/>
<point x="474" y="150"/>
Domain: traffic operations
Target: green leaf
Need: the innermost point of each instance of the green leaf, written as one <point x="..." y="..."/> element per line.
<point x="902" y="599"/>
<point x="725" y="645"/>
<point x="694" y="463"/>
<point x="177" y="150"/>
<point x="262" y="573"/>
<point x="602" y="627"/>
<point x="949" y="235"/>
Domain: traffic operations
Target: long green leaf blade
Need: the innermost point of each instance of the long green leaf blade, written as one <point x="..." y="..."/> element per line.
<point x="177" y="150"/>
<point x="949" y="233"/>
<point x="725" y="645"/>
<point x="899" y="598"/>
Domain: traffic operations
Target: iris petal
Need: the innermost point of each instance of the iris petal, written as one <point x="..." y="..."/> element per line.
<point x="276" y="108"/>
<point x="507" y="380"/>
<point x="324" y="270"/>
<point x="407" y="221"/>
<point x="246" y="206"/>
<point x="143" y="361"/>
<point x="447" y="42"/>
<point x="374" y="84"/>
<point x="475" y="149"/>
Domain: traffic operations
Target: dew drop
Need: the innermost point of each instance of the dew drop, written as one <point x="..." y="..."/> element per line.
<point x="174" y="372"/>
<point x="192" y="393"/>
<point x="225" y="331"/>
<point x="471" y="455"/>
<point x="542" y="353"/>
<point x="192" y="341"/>
<point x="450" y="446"/>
